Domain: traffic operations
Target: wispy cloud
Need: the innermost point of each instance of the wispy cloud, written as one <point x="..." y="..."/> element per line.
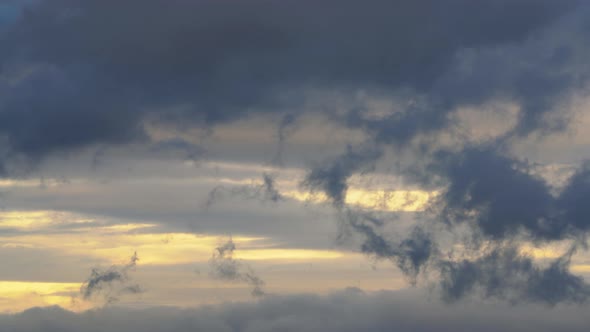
<point x="111" y="283"/>
<point x="225" y="267"/>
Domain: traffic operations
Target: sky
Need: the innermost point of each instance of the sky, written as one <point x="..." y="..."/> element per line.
<point x="283" y="165"/>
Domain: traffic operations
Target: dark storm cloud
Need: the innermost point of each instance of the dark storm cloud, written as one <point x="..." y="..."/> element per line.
<point x="504" y="198"/>
<point x="9" y="11"/>
<point x="572" y="201"/>
<point x="506" y="274"/>
<point x="110" y="283"/>
<point x="348" y="311"/>
<point x="225" y="267"/>
<point x="78" y="73"/>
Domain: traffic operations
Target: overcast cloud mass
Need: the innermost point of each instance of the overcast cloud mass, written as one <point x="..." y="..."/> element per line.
<point x="272" y="165"/>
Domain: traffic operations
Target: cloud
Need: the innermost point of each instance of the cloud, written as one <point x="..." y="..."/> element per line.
<point x="410" y="255"/>
<point x="331" y="178"/>
<point x="286" y="126"/>
<point x="226" y="268"/>
<point x="110" y="283"/>
<point x="504" y="198"/>
<point x="502" y="201"/>
<point x="265" y="191"/>
<point x="70" y="80"/>
<point x="349" y="310"/>
<point x="505" y="274"/>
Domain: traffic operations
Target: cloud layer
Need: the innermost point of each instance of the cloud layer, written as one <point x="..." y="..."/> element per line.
<point x="69" y="80"/>
<point x="345" y="311"/>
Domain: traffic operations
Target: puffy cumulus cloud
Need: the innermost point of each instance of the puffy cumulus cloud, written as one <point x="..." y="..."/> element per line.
<point x="344" y="311"/>
<point x="69" y="79"/>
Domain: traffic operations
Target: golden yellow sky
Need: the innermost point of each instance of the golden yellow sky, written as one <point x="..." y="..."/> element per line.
<point x="185" y="256"/>
<point x="112" y="245"/>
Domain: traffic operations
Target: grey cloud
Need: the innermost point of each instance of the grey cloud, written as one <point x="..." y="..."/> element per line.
<point x="501" y="195"/>
<point x="571" y="201"/>
<point x="286" y="125"/>
<point x="111" y="282"/>
<point x="9" y="10"/>
<point x="270" y="191"/>
<point x="177" y="206"/>
<point x="411" y="254"/>
<point x="332" y="177"/>
<point x="539" y="75"/>
<point x="502" y="200"/>
<point x="506" y="274"/>
<point x="266" y="191"/>
<point x="225" y="267"/>
<point x="80" y="73"/>
<point x="344" y="311"/>
<point x="69" y="79"/>
<point x="188" y="150"/>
